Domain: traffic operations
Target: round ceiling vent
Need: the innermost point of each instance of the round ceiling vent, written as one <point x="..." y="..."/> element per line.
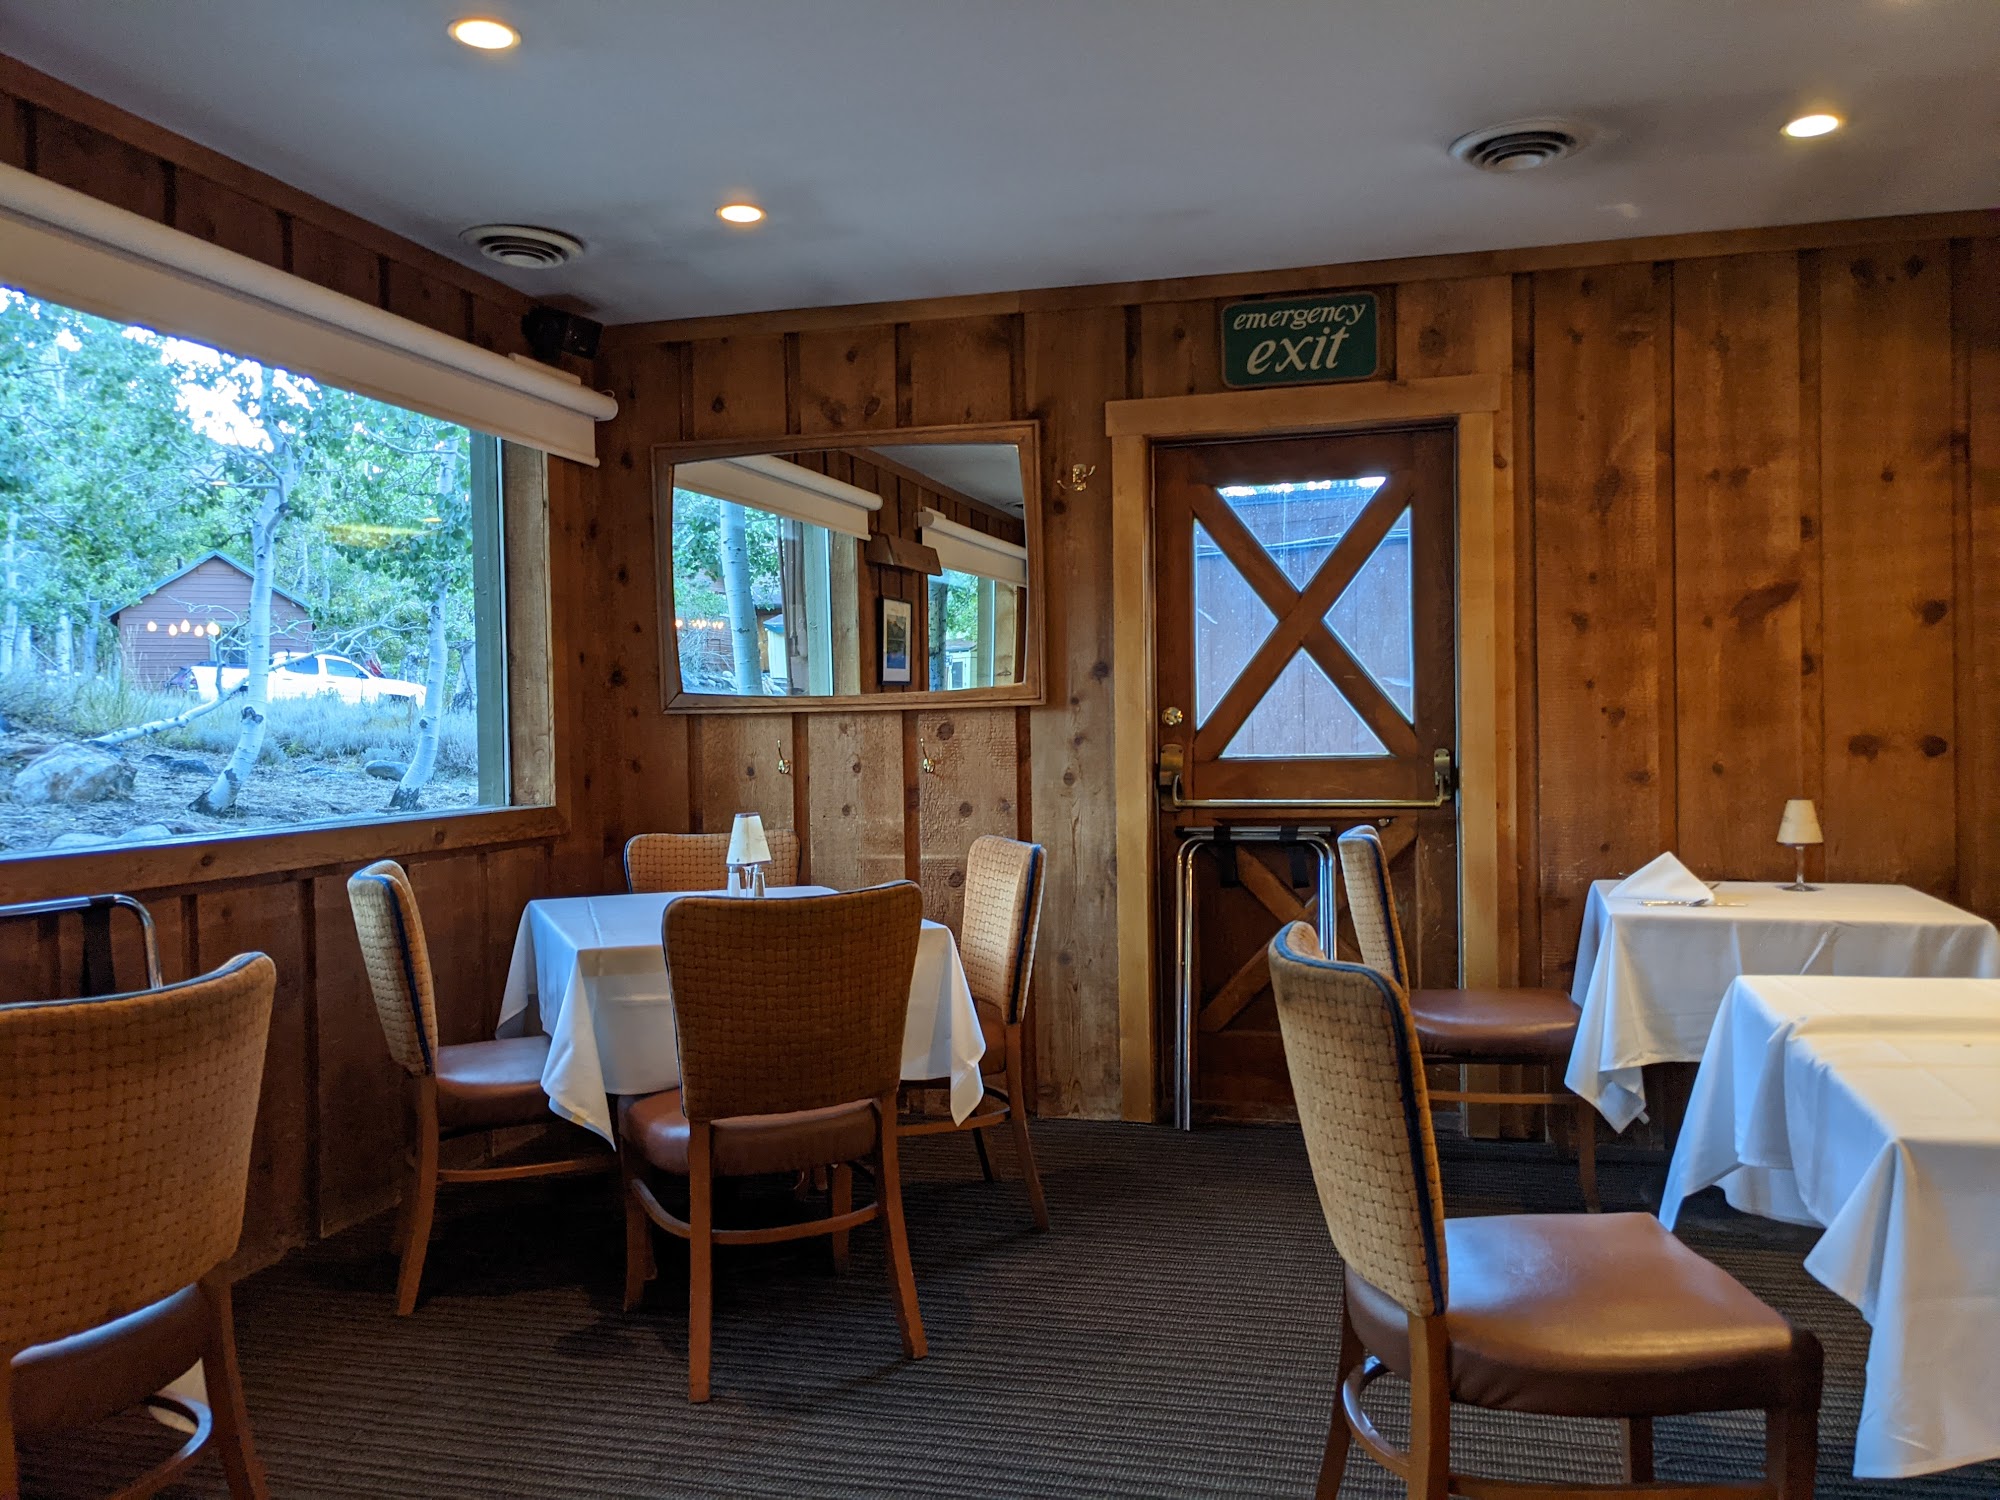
<point x="523" y="246"/>
<point x="1520" y="145"/>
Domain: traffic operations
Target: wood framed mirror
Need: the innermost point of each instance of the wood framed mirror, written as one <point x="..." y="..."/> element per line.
<point x="885" y="569"/>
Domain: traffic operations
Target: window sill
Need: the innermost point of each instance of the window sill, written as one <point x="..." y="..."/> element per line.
<point x="141" y="868"/>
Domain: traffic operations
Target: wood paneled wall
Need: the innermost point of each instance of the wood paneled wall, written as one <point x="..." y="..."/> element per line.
<point x="329" y="1137"/>
<point x="1753" y="497"/>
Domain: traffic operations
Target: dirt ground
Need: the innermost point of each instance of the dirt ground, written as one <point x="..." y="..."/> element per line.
<point x="281" y="794"/>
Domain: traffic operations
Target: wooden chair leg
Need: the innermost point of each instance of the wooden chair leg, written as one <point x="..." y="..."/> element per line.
<point x="889" y="1196"/>
<point x="421" y="1204"/>
<point x="1430" y="1411"/>
<point x="1339" y="1437"/>
<point x="841" y="1188"/>
<point x="1637" y="1452"/>
<point x="1586" y="1154"/>
<point x="701" y="1260"/>
<point x="240" y="1464"/>
<point x="1017" y="1121"/>
<point x="985" y="1156"/>
<point x="638" y="1232"/>
<point x="1791" y="1450"/>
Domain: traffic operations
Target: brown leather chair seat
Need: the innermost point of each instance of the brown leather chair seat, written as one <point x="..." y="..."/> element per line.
<point x="1595" y="1316"/>
<point x="490" y="1085"/>
<point x="1532" y="1025"/>
<point x="747" y="1145"/>
<point x="72" y="1382"/>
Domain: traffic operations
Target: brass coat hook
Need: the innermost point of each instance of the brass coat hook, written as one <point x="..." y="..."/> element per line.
<point x="924" y="762"/>
<point x="1079" y="478"/>
<point x="784" y="766"/>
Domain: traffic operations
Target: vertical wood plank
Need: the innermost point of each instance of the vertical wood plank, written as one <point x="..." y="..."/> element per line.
<point x="1598" y="544"/>
<point x="856" y="804"/>
<point x="1180" y="348"/>
<point x="1076" y="361"/>
<point x="968" y="794"/>
<point x="13" y="131"/>
<point x="428" y="300"/>
<point x="497" y="326"/>
<point x="326" y="259"/>
<point x="92" y="162"/>
<point x="1976" y="304"/>
<point x="222" y="216"/>
<point x="739" y="770"/>
<point x="1739" y="564"/>
<point x="272" y="919"/>
<point x="846" y="379"/>
<point x="1887" y="544"/>
<point x="961" y="370"/>
<point x="359" y="1129"/>
<point x="738" y="386"/>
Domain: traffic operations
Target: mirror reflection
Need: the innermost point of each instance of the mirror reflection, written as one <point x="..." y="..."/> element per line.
<point x="835" y="572"/>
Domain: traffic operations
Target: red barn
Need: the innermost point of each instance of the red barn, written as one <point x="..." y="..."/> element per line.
<point x="168" y="627"/>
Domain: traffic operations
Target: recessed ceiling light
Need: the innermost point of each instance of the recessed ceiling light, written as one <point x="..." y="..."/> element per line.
<point x="740" y="213"/>
<point x="1807" y="126"/>
<point x="484" y="33"/>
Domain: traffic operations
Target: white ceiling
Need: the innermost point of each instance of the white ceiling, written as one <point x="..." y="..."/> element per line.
<point x="987" y="472"/>
<point x="912" y="148"/>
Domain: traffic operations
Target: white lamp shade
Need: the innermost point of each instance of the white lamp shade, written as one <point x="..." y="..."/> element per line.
<point x="1800" y="825"/>
<point x="746" y="841"/>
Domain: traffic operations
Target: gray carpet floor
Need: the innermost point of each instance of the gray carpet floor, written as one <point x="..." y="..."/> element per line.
<point x="1171" y="1336"/>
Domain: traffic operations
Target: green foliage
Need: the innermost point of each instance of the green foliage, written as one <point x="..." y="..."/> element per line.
<point x="125" y="456"/>
<point x="698" y="590"/>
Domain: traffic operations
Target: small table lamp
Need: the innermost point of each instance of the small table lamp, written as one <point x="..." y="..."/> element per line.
<point x="1799" y="828"/>
<point x="748" y="854"/>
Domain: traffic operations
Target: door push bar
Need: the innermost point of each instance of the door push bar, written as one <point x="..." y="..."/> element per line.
<point x="1173" y="762"/>
<point x="1317" y="839"/>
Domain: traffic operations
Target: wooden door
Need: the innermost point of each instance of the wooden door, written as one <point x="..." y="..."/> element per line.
<point x="1306" y="679"/>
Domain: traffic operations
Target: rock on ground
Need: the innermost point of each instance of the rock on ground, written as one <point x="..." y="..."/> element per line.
<point x="386" y="770"/>
<point x="73" y="773"/>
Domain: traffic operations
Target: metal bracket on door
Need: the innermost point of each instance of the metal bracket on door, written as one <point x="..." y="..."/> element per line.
<point x="1444" y="773"/>
<point x="1317" y="839"/>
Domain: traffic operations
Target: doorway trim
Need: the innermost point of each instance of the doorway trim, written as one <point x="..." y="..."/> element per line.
<point x="1485" y="655"/>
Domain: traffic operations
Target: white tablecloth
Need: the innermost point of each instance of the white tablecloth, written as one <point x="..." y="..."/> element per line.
<point x="1872" y="1106"/>
<point x="1649" y="978"/>
<point x="594" y="967"/>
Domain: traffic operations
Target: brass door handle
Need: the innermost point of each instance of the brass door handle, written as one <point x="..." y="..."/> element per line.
<point x="1172" y="717"/>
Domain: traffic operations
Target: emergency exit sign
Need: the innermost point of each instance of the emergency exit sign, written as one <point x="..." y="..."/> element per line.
<point x="1300" y="340"/>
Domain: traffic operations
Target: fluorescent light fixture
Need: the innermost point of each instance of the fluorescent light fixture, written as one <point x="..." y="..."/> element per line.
<point x="740" y="213"/>
<point x="1805" y="127"/>
<point x="485" y="33"/>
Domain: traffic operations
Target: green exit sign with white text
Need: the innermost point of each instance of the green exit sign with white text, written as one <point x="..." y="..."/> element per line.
<point x="1301" y="340"/>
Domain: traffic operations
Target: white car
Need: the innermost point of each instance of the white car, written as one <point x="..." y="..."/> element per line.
<point x="307" y="674"/>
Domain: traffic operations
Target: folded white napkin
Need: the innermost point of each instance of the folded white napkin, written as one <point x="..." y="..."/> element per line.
<point x="1665" y="879"/>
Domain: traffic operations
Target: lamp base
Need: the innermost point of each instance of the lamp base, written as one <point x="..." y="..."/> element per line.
<point x="1798" y="885"/>
<point x="1799" y="879"/>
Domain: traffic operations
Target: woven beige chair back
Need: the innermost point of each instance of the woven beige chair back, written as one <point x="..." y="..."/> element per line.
<point x="398" y="961"/>
<point x="700" y="861"/>
<point x="1372" y="904"/>
<point x="125" y="1126"/>
<point x="791" y="1004"/>
<point x="1359" y="1079"/>
<point x="1003" y="914"/>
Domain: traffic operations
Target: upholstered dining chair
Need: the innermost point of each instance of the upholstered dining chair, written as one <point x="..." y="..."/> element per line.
<point x="1565" y="1315"/>
<point x="1003" y="914"/>
<point x="125" y="1136"/>
<point x="1510" y="1027"/>
<point x="791" y="1034"/>
<point x="461" y="1088"/>
<point x="699" y="861"/>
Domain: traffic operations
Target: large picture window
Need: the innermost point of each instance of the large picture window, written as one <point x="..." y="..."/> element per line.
<point x="232" y="597"/>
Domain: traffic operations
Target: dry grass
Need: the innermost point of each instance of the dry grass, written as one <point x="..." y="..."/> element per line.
<point x="320" y="729"/>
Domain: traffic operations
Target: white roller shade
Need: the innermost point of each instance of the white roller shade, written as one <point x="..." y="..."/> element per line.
<point x="777" y="485"/>
<point x="963" y="550"/>
<point x="67" y="247"/>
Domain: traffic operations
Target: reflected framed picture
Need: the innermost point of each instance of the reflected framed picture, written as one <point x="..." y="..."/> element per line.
<point x="896" y="619"/>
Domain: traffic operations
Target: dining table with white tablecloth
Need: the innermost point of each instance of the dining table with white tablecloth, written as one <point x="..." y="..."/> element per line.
<point x="594" y="969"/>
<point x="1871" y="1107"/>
<point x="1651" y="976"/>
